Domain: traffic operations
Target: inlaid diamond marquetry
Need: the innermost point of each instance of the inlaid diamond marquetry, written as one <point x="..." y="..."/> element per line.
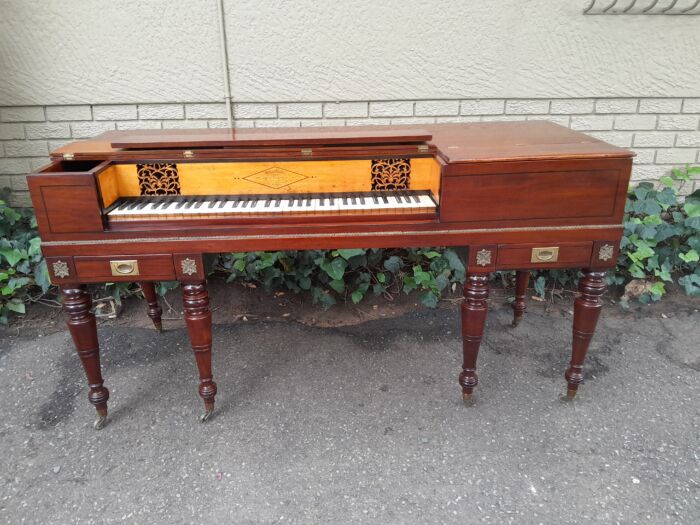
<point x="275" y="178"/>
<point x="606" y="252"/>
<point x="483" y="257"/>
<point x="60" y="269"/>
<point x="189" y="266"/>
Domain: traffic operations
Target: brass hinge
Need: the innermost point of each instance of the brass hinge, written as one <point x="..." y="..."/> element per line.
<point x="188" y="153"/>
<point x="68" y="156"/>
<point x="307" y="151"/>
<point x="423" y="147"/>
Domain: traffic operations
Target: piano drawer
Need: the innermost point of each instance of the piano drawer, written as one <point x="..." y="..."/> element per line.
<point x="548" y="255"/>
<point x="125" y="268"/>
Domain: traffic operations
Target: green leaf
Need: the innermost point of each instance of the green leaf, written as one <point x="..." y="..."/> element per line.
<point x="393" y="264"/>
<point x="338" y="285"/>
<point x="666" y="180"/>
<point x="239" y="265"/>
<point x="16" y="305"/>
<point x="690" y="284"/>
<point x="429" y="299"/>
<point x="642" y="190"/>
<point x="431" y="254"/>
<point x="347" y="254"/>
<point x="334" y="268"/>
<point x="540" y="286"/>
<point x="689" y="257"/>
<point x="692" y="222"/>
<point x="381" y="277"/>
<point x="357" y="296"/>
<point x="692" y="208"/>
<point x="667" y="197"/>
<point x="657" y="290"/>
<point x="13" y="256"/>
<point x="644" y="251"/>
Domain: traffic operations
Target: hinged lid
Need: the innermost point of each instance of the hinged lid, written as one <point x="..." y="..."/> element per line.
<point x="221" y="138"/>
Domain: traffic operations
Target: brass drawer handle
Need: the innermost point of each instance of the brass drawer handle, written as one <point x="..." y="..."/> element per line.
<point x="546" y="254"/>
<point x="120" y="268"/>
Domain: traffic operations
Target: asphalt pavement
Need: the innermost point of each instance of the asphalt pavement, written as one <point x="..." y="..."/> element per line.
<point x="361" y="424"/>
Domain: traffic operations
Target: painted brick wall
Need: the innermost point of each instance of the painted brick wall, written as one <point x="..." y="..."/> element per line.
<point x="664" y="132"/>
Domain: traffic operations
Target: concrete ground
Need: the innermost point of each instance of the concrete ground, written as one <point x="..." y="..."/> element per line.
<point x="360" y="424"/>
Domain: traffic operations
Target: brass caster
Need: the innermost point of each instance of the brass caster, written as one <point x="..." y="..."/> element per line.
<point x="207" y="414"/>
<point x="100" y="422"/>
<point x="468" y="400"/>
<point x="568" y="397"/>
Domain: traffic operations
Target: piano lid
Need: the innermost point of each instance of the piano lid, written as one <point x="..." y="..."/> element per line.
<point x="216" y="138"/>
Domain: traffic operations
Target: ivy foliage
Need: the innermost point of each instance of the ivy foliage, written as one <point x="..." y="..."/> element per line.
<point x="22" y="267"/>
<point x="351" y="274"/>
<point x="661" y="240"/>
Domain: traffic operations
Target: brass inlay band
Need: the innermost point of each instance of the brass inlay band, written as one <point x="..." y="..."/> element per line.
<point x="331" y="235"/>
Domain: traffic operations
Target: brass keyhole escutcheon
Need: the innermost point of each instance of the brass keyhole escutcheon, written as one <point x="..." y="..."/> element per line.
<point x="545" y="254"/>
<point x="124" y="267"/>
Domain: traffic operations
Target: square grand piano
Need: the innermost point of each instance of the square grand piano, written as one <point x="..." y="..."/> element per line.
<point x="147" y="206"/>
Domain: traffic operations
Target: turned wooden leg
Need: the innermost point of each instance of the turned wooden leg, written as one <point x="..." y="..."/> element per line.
<point x="154" y="310"/>
<point x="586" y="312"/>
<point x="81" y="323"/>
<point x="521" y="279"/>
<point x="195" y="299"/>
<point x="474" y="309"/>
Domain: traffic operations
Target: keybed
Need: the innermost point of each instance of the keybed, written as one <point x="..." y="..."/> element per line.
<point x="201" y="206"/>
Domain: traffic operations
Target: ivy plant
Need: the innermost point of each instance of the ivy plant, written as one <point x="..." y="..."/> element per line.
<point x="329" y="275"/>
<point x="22" y="267"/>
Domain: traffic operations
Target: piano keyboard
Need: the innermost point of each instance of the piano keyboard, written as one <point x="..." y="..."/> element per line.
<point x="201" y="206"/>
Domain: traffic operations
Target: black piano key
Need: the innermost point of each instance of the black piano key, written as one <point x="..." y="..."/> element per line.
<point x="362" y="200"/>
<point x="376" y="200"/>
<point x="345" y="200"/>
<point x="141" y="204"/>
<point x="277" y="203"/>
<point x="165" y="203"/>
<point x="415" y="199"/>
<point x="386" y="201"/>
<point x="268" y="202"/>
<point x="198" y="203"/>
<point x="353" y="200"/>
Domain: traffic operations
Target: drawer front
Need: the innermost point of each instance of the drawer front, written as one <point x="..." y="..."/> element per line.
<point x="549" y="255"/>
<point x="125" y="268"/>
